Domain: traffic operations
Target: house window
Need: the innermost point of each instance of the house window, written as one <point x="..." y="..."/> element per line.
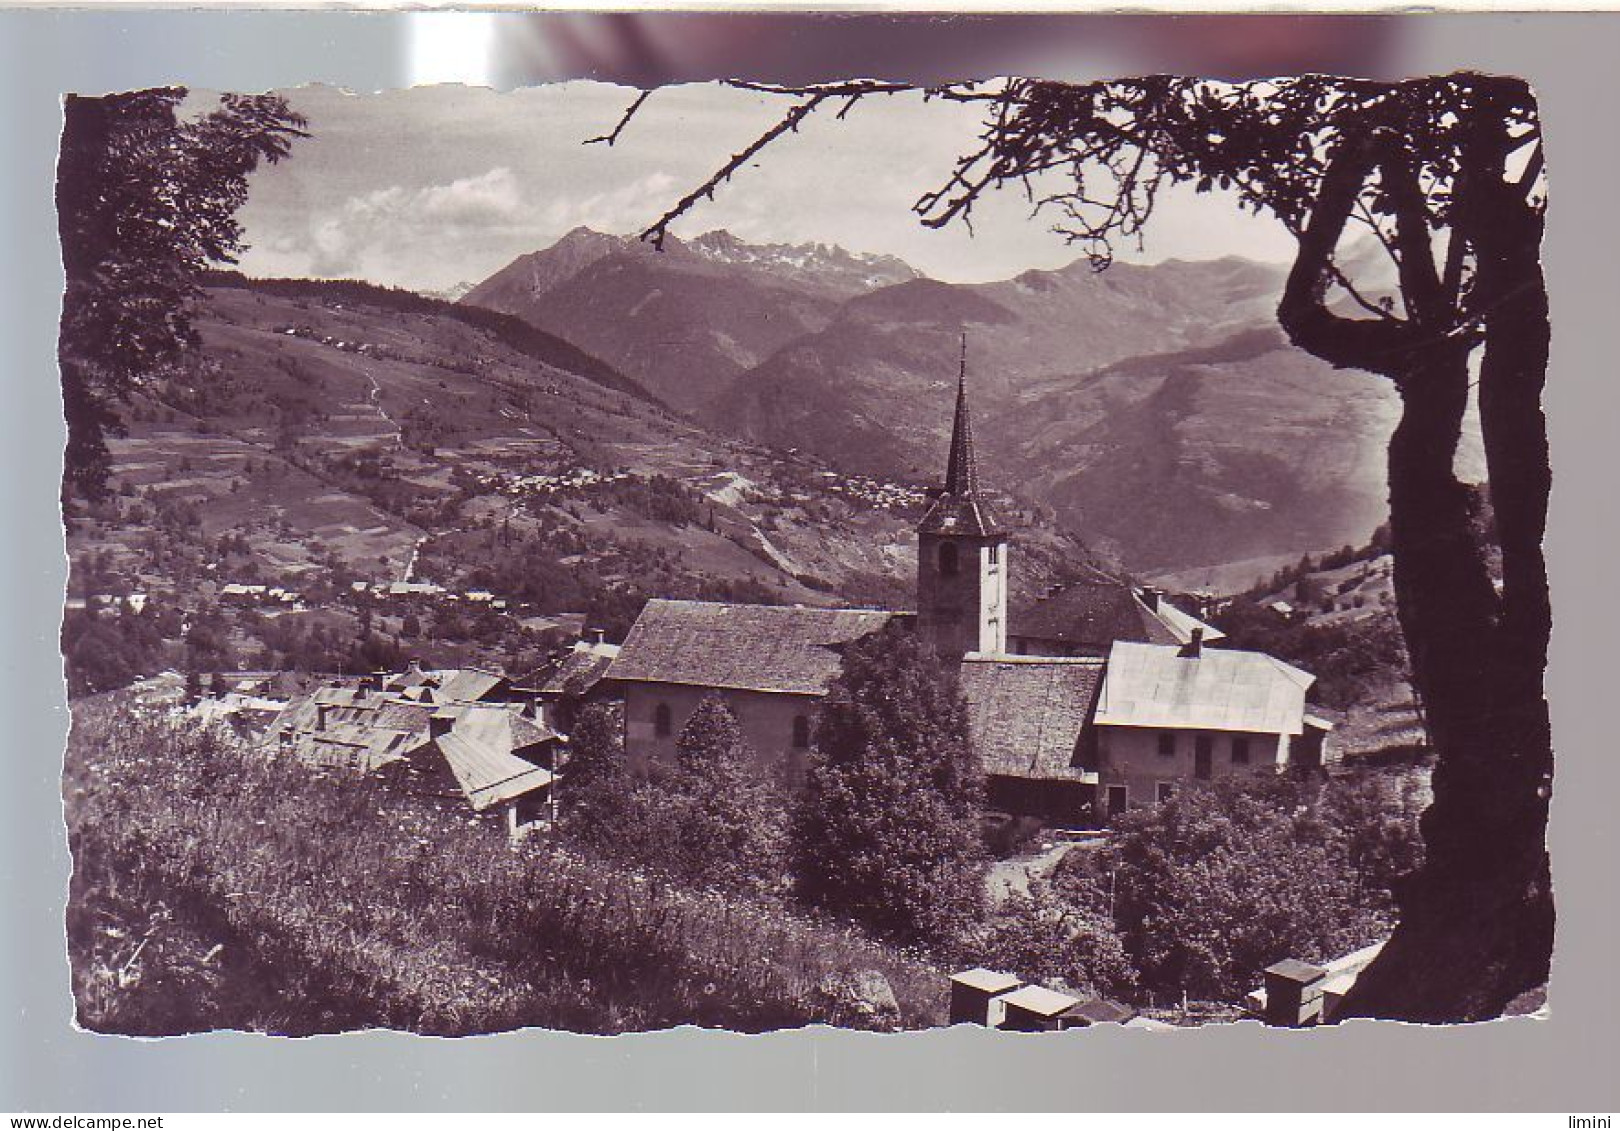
<point x="1164" y="791"/>
<point x="948" y="562"/>
<point x="801" y="732"/>
<point x="1240" y="750"/>
<point x="661" y="720"/>
<point x="1167" y="744"/>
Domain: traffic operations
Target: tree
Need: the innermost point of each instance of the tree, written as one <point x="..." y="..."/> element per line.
<point x="595" y="788"/>
<point x="145" y="202"/>
<point x="886" y="829"/>
<point x="724" y="821"/>
<point x="1446" y="176"/>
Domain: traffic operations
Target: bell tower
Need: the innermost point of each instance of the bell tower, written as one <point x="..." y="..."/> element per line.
<point x="961" y="554"/>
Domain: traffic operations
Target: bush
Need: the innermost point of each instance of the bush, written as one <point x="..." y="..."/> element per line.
<point x="1220" y="882"/>
<point x="1048" y="940"/>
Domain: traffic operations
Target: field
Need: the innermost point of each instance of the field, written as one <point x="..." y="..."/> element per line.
<point x="215" y="887"/>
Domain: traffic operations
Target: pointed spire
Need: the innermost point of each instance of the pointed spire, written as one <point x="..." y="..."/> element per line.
<point x="962" y="468"/>
<point x="957" y="509"/>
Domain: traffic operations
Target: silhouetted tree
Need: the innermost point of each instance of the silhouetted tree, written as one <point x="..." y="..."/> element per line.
<point x="145" y="201"/>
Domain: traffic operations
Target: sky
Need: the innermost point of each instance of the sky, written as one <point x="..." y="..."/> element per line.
<point x="437" y="186"/>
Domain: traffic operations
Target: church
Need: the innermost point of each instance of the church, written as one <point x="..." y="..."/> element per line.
<point x="1107" y="697"/>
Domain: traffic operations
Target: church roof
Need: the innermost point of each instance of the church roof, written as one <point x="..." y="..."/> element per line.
<point x="1219" y="689"/>
<point x="1028" y="714"/>
<point x="958" y="509"/>
<point x="1094" y="612"/>
<point x="779" y="648"/>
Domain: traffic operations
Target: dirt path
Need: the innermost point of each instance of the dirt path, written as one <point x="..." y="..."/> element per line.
<point x="1012" y="877"/>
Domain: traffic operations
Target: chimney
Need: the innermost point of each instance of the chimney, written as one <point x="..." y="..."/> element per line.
<point x="1195" y="646"/>
<point x="320" y="715"/>
<point x="598" y="636"/>
<point x="1150" y="597"/>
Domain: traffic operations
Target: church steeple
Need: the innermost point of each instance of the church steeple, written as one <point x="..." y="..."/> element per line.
<point x="961" y="553"/>
<point x="958" y="509"/>
<point x="962" y="469"/>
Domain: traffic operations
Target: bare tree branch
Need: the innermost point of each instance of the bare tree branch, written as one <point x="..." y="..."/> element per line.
<point x="612" y="137"/>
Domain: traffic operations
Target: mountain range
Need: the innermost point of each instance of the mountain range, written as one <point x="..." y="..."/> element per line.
<point x="1155" y="409"/>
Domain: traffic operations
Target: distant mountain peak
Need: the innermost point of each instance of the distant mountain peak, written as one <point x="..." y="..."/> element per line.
<point x="814" y="262"/>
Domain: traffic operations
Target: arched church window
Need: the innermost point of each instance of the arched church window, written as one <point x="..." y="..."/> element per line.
<point x="661" y="720"/>
<point x="948" y="561"/>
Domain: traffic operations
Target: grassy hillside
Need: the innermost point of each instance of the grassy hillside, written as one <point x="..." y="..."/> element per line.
<point x="215" y="888"/>
<point x="332" y="433"/>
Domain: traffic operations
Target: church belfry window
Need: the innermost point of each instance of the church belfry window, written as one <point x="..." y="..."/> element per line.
<point x="801" y="732"/>
<point x="995" y="554"/>
<point x="661" y="720"/>
<point x="949" y="562"/>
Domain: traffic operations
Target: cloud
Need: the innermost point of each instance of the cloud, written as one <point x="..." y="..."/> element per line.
<point x="628" y="208"/>
<point x="385" y="222"/>
<point x="437" y="234"/>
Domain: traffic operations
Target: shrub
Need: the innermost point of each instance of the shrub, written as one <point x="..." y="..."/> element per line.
<point x="1220" y="882"/>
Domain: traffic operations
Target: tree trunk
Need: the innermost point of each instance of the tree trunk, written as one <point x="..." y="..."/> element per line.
<point x="1476" y="920"/>
<point x="1476" y="923"/>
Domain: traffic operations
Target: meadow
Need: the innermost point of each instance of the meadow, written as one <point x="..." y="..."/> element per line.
<point x="217" y="886"/>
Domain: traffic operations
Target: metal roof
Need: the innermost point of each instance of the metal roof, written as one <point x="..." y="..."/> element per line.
<point x="1150" y="685"/>
<point x="488" y="775"/>
<point x="1039" y="1000"/>
<point x="989" y="981"/>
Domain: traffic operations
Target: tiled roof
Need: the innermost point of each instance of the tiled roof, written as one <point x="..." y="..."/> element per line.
<point x="577" y="671"/>
<point x="1096" y="611"/>
<point x="1182" y="624"/>
<point x="1155" y="686"/>
<point x="777" y="648"/>
<point x="1092" y="613"/>
<point x="1027" y="714"/>
<point x="1040" y="1000"/>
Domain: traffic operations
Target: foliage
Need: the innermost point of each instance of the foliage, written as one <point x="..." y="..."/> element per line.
<point x="145" y="202"/>
<point x="1350" y="659"/>
<point x="219" y="887"/>
<point x="1214" y="885"/>
<point x="596" y="783"/>
<point x="723" y="822"/>
<point x="1048" y="939"/>
<point x="886" y="829"/>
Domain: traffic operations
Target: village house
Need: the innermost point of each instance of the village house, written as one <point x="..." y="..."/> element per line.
<point x="572" y="679"/>
<point x="463" y="735"/>
<point x="1100" y="696"/>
